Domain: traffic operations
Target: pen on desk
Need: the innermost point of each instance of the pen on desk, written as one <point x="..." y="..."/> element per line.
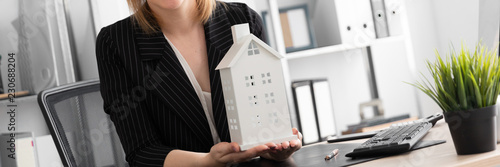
<point x="332" y="154"/>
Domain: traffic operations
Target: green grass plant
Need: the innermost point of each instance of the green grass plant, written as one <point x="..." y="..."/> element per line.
<point x="463" y="80"/>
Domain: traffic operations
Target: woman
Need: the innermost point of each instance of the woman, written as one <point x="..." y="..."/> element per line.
<point x="160" y="87"/>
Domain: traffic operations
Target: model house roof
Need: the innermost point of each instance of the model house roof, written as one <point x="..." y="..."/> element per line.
<point x="242" y="38"/>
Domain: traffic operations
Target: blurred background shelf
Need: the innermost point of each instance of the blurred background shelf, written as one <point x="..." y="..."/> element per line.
<point x="322" y="50"/>
<point x="344" y="50"/>
<point x="338" y="48"/>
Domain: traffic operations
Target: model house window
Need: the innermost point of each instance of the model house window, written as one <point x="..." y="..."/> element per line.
<point x="253" y="49"/>
<point x="249" y="80"/>
<point x="233" y="124"/>
<point x="269" y="97"/>
<point x="264" y="75"/>
<point x="253" y="100"/>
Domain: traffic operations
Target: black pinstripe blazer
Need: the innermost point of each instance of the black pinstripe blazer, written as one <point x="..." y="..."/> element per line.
<point x="149" y="97"/>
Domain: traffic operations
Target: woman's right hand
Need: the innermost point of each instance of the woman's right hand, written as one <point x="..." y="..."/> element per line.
<point x="227" y="153"/>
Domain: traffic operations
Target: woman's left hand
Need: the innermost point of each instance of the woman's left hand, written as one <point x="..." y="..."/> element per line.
<point x="284" y="150"/>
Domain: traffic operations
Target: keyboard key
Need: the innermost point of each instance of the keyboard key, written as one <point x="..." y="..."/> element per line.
<point x="395" y="139"/>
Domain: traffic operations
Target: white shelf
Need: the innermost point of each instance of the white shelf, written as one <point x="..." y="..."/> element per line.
<point x="28" y="97"/>
<point x="389" y="39"/>
<point x="321" y="51"/>
<point x="337" y="48"/>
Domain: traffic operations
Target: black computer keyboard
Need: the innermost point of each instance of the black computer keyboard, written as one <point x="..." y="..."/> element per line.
<point x="396" y="139"/>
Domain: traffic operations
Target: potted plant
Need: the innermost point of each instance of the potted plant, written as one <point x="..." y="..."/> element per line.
<point x="466" y="87"/>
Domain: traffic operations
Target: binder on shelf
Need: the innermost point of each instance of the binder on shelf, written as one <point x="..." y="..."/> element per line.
<point x="306" y="114"/>
<point x="324" y="108"/>
<point x="393" y="15"/>
<point x="355" y="22"/>
<point x="379" y="18"/>
<point x="314" y="109"/>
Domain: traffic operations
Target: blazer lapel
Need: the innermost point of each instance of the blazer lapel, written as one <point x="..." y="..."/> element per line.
<point x="172" y="85"/>
<point x="218" y="39"/>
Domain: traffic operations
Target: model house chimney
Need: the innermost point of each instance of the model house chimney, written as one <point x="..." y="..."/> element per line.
<point x="240" y="31"/>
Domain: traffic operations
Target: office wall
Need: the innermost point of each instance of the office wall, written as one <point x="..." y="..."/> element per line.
<point x="108" y="12"/>
<point x="349" y="85"/>
<point x="390" y="66"/>
<point x="466" y="20"/>
<point x="489" y="22"/>
<point x="456" y="24"/>
<point x="82" y="28"/>
<point x="420" y="31"/>
<point x="435" y="24"/>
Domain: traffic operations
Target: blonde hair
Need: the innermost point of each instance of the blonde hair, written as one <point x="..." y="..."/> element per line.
<point x="147" y="21"/>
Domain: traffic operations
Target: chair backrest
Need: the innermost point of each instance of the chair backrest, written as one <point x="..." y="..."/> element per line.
<point x="84" y="135"/>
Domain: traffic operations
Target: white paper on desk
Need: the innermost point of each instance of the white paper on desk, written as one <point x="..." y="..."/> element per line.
<point x="25" y="152"/>
<point x="324" y="108"/>
<point x="306" y="113"/>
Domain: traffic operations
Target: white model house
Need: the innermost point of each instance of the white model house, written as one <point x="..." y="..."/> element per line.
<point x="254" y="91"/>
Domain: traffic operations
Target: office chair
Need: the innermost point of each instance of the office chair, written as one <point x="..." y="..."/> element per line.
<point x="83" y="134"/>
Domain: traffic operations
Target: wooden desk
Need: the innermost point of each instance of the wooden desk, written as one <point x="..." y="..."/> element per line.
<point x="439" y="155"/>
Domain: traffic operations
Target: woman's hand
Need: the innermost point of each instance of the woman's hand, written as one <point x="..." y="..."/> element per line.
<point x="227" y="153"/>
<point x="284" y="150"/>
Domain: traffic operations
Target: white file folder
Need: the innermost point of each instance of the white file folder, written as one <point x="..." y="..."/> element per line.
<point x="355" y="21"/>
<point x="304" y="105"/>
<point x="393" y="13"/>
<point x="379" y="18"/>
<point x="313" y="104"/>
<point x="324" y="108"/>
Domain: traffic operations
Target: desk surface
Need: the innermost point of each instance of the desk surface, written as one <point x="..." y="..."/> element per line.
<point x="439" y="155"/>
